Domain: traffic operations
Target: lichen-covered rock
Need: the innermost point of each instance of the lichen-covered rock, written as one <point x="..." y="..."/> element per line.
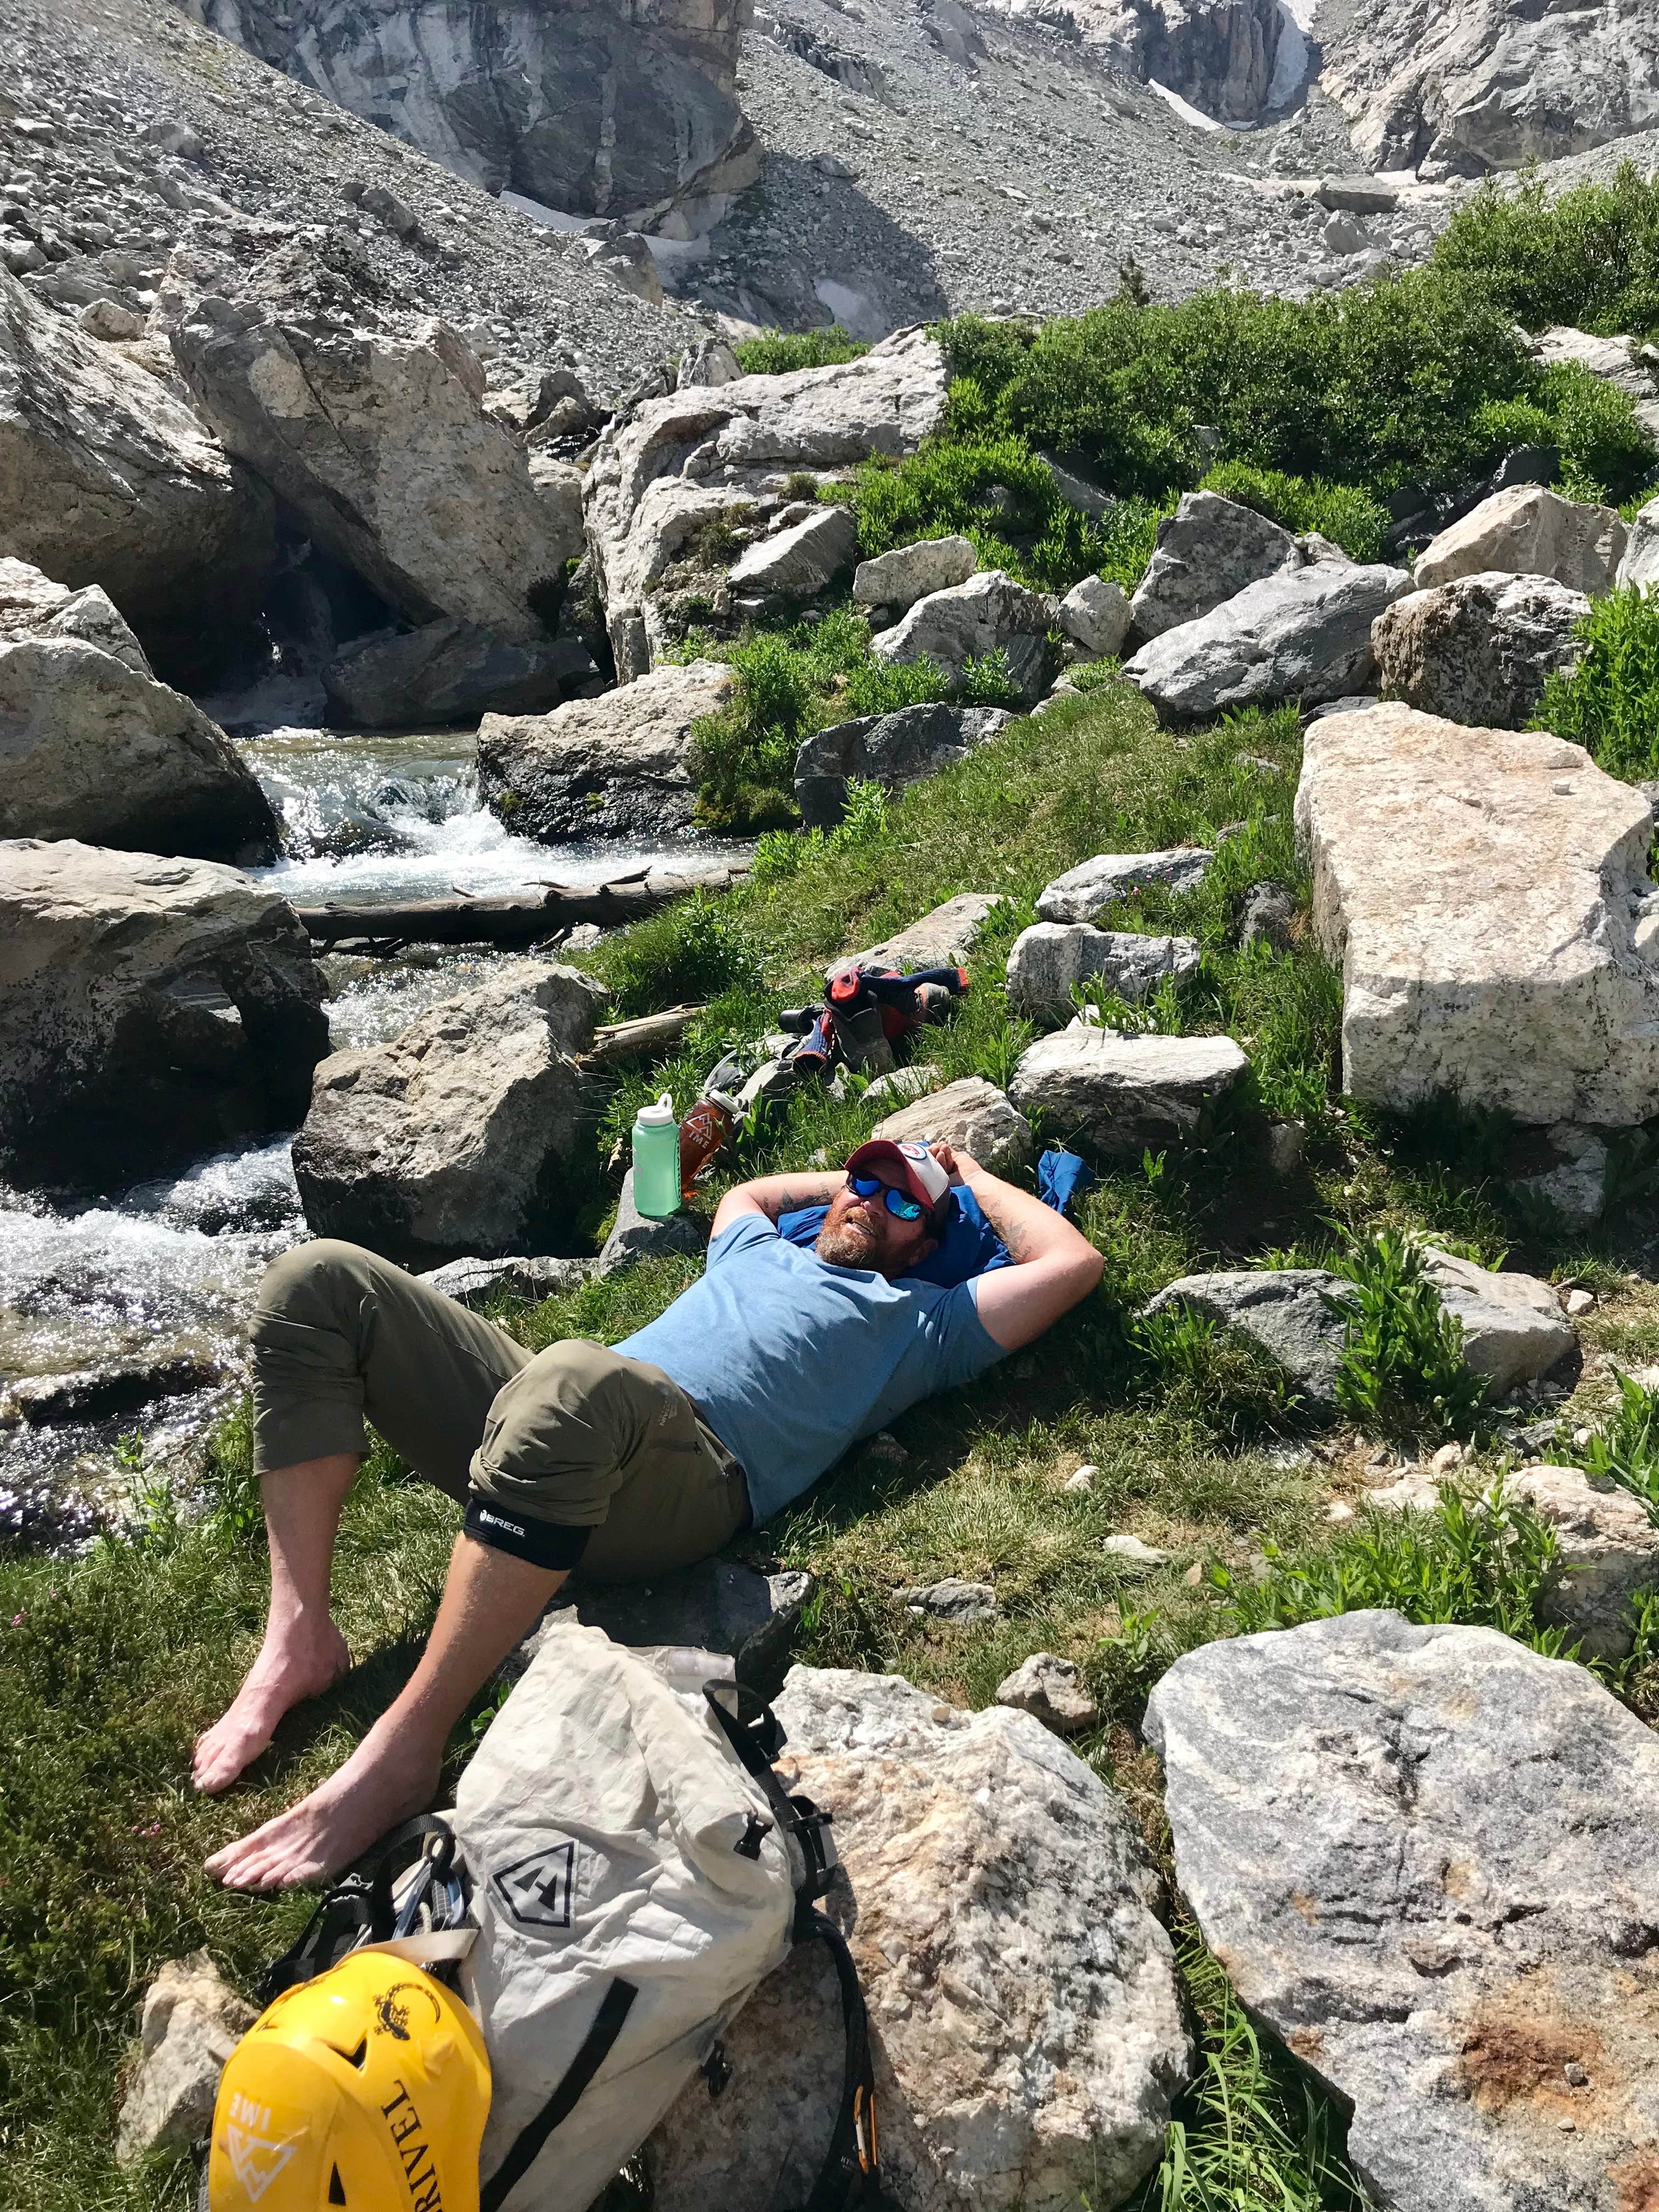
<point x="373" y="427"/>
<point x="972" y="1117"/>
<point x="1051" y="958"/>
<point x="1424" y="1854"/>
<point x="92" y="747"/>
<point x="1514" y="1329"/>
<point x="1025" y="2024"/>
<point x="451" y="1139"/>
<point x="646" y="498"/>
<point x="107" y="478"/>
<point x="616" y="766"/>
<point x="1485" y="893"/>
<point x="1206" y="552"/>
<point x="989" y="614"/>
<point x="1120" y="1095"/>
<point x="1094" y="616"/>
<point x="1528" y="532"/>
<point x="1080" y="893"/>
<point x="150" y="1011"/>
<point x="1606" y="1550"/>
<point x="1480" y="648"/>
<point x="1052" y="1690"/>
<point x="1304" y="633"/>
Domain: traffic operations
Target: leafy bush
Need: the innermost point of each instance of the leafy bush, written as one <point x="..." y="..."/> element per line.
<point x="1402" y="1365"/>
<point x="1488" y="1564"/>
<point x="1610" y="703"/>
<point x="1589" y="258"/>
<point x="693" y="951"/>
<point x="992" y="489"/>
<point x="774" y="353"/>
<point x="1379" y="385"/>
<point x="1350" y="518"/>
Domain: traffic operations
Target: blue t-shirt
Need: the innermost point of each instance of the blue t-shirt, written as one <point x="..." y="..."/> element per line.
<point x="791" y="1360"/>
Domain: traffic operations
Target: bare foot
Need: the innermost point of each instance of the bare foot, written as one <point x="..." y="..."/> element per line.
<point x="387" y="1778"/>
<point x="294" y="1665"/>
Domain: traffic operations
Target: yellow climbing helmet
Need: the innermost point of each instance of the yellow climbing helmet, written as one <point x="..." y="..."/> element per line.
<point x="367" y="2088"/>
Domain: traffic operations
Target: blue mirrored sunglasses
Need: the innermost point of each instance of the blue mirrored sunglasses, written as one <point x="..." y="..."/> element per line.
<point x="900" y="1207"/>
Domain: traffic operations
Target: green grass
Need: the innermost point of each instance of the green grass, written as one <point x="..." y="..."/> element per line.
<point x="1610" y="703"/>
<point x="110" y="1664"/>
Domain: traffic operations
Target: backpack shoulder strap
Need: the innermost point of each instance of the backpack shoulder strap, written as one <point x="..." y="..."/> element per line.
<point x="851" y="2169"/>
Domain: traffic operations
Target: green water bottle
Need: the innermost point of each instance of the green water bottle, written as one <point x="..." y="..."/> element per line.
<point x="657" y="1159"/>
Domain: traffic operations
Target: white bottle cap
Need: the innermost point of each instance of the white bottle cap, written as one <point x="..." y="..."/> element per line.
<point x="655" y="1116"/>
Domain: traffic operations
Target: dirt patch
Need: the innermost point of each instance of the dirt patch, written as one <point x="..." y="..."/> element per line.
<point x="1636" y="2178"/>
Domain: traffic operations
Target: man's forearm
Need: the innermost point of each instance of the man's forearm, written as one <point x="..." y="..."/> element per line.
<point x="773" y="1195"/>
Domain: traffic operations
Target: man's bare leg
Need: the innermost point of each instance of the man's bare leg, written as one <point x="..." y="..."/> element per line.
<point x="303" y="1651"/>
<point x="490" y="1601"/>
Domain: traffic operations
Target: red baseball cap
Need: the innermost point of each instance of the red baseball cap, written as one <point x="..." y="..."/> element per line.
<point x="910" y="1164"/>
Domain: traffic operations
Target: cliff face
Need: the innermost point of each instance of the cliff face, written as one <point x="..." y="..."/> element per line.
<point x="1458" y="91"/>
<point x="620" y="108"/>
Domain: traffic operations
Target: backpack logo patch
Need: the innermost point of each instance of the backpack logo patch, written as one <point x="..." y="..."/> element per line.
<point x="538" y="1891"/>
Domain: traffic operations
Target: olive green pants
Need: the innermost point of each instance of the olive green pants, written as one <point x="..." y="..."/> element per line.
<point x="572" y="1455"/>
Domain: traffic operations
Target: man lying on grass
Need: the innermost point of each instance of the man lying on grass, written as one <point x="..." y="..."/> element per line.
<point x="629" y="1463"/>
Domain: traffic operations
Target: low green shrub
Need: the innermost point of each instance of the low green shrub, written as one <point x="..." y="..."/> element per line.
<point x="1589" y="257"/>
<point x="779" y="854"/>
<point x="990" y="489"/>
<point x="1627" y="1451"/>
<point x="1402" y="1367"/>
<point x="774" y="353"/>
<point x="1609" y="704"/>
<point x="1217" y="1378"/>
<point x="1350" y="518"/>
<point x="697" y="950"/>
<point x="1487" y="1563"/>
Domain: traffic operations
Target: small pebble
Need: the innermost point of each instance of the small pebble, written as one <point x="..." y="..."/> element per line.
<point x="1579" y="1302"/>
<point x="1568" y="2127"/>
<point x="1131" y="1548"/>
<point x="1195" y="1575"/>
<point x="1083" y="1480"/>
<point x="1448" y="1457"/>
<point x="1576" y="2075"/>
<point x="1338" y="1511"/>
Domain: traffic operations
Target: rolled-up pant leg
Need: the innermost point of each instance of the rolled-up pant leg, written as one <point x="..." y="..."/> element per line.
<point x="573" y="1455"/>
<point x="339" y="1335"/>
<point x="602" y="1459"/>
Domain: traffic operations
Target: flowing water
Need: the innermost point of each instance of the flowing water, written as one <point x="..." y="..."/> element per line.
<point x="167" y="1270"/>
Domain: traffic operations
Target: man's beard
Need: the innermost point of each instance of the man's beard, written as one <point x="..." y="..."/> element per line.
<point x="849" y="1242"/>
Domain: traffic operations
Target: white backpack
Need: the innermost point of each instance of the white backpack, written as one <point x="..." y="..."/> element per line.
<point x="621" y="1870"/>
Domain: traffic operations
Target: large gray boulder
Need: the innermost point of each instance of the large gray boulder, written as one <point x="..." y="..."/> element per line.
<point x="1282" y="1309"/>
<point x="1485" y="892"/>
<point x="92" y="747"/>
<point x="150" y="1011"/>
<point x="1206" y="552"/>
<point x="452" y="1140"/>
<point x="373" y="427"/>
<point x="1425" y="1855"/>
<point x="1303" y="634"/>
<point x="616" y="766"/>
<point x="1025" y="2022"/>
<point x="590" y="108"/>
<point x="1528" y="532"/>
<point x="1050" y="959"/>
<point x="451" y="671"/>
<point x="107" y="478"/>
<point x="717" y="454"/>
<point x="990" y="613"/>
<point x="1082" y="891"/>
<point x="1120" y="1095"/>
<point x="1480" y="648"/>
<point x="972" y="1117"/>
<point x="904" y="747"/>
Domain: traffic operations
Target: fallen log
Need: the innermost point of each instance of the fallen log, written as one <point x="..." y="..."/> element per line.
<point x="522" y="919"/>
<point x="647" y="1033"/>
